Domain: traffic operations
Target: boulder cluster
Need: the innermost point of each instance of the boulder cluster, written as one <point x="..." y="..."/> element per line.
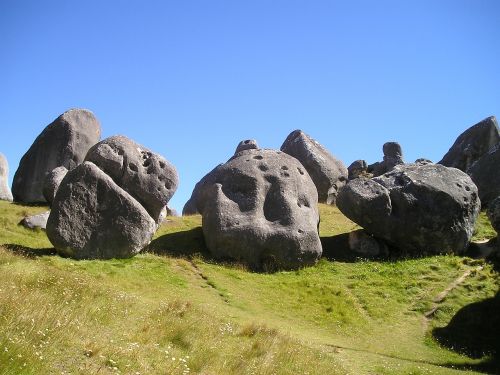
<point x="260" y="207"/>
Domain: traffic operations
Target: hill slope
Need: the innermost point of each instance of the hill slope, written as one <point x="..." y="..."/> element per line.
<point x="173" y="310"/>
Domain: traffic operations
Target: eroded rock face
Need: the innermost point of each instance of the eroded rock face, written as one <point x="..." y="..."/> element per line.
<point x="111" y="205"/>
<point x="357" y="168"/>
<point x="393" y="155"/>
<point x="64" y="142"/>
<point x="5" y="193"/>
<point x="417" y="208"/>
<point x="486" y="175"/>
<point x="260" y="208"/>
<point x="328" y="173"/>
<point x="247" y="144"/>
<point x="472" y="144"/>
<point x="52" y="182"/>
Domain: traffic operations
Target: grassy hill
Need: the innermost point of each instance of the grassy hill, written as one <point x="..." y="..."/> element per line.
<point x="173" y="310"/>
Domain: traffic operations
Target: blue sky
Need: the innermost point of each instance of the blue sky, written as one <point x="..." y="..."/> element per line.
<point x="190" y="79"/>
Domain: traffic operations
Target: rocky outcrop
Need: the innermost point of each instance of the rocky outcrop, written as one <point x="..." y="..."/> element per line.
<point x="472" y="144"/>
<point x="64" y="142"/>
<point x="111" y="205"/>
<point x="328" y="173"/>
<point x="5" y="193"/>
<point x="417" y="208"/>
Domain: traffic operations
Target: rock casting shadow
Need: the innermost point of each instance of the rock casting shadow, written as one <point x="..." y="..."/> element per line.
<point x="180" y="244"/>
<point x="475" y="331"/>
<point x="29" y="251"/>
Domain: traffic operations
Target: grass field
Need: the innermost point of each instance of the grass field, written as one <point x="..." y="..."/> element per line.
<point x="173" y="310"/>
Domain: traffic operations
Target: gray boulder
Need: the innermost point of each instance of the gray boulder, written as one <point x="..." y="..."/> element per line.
<point x="485" y="173"/>
<point x="472" y="144"/>
<point x="64" y="142"/>
<point x="417" y="208"/>
<point x="260" y="208"/>
<point x="5" y="193"/>
<point x="393" y="155"/>
<point x="247" y="144"/>
<point x="93" y="217"/>
<point x="357" y="168"/>
<point x="493" y="213"/>
<point x="145" y="175"/>
<point x="35" y="221"/>
<point x="52" y="182"/>
<point x="328" y="173"/>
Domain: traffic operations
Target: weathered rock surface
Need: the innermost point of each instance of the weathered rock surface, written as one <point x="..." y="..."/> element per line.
<point x="328" y="173"/>
<point x="145" y="175"/>
<point x="472" y="144"/>
<point x="416" y="208"/>
<point x="35" y="221"/>
<point x="190" y="207"/>
<point x="260" y="208"/>
<point x="52" y="182"/>
<point x="493" y="213"/>
<point x="93" y="217"/>
<point x="486" y="175"/>
<point x="247" y="144"/>
<point x="357" y="168"/>
<point x="64" y="142"/>
<point x="393" y="155"/>
<point x="5" y="193"/>
<point x="423" y="161"/>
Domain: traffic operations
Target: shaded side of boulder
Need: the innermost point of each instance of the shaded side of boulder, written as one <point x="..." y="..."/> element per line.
<point x="64" y="142"/>
<point x="93" y="217"/>
<point x="472" y="144"/>
<point x="191" y="206"/>
<point x="5" y="193"/>
<point x="328" y="173"/>
<point x="35" y="221"/>
<point x="493" y="213"/>
<point x="145" y="175"/>
<point x="419" y="209"/>
<point x="52" y="182"/>
<point x="486" y="175"/>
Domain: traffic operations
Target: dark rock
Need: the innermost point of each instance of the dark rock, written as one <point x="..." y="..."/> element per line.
<point x="147" y="176"/>
<point x="357" y="168"/>
<point x="64" y="142"/>
<point x="35" y="221"/>
<point x="416" y="208"/>
<point x="423" y="161"/>
<point x="493" y="213"/>
<point x="260" y="208"/>
<point x="393" y="155"/>
<point x="486" y="175"/>
<point x="5" y="193"/>
<point x="472" y="144"/>
<point x="366" y="246"/>
<point x="328" y="173"/>
<point x="93" y="217"/>
<point x="52" y="182"/>
<point x="248" y="144"/>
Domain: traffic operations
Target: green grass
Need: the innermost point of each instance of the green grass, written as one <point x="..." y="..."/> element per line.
<point x="174" y="310"/>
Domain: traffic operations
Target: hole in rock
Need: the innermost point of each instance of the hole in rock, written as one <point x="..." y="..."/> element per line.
<point x="258" y="157"/>
<point x="263" y="167"/>
<point x="133" y="167"/>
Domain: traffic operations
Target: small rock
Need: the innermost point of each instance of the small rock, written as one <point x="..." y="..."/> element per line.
<point x="35" y="221"/>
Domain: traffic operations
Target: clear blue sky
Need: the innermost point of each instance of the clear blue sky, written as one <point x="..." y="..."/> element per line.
<point x="190" y="79"/>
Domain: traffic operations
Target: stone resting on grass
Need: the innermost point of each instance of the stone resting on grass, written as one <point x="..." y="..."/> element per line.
<point x="418" y="208"/>
<point x="5" y="193"/>
<point x="64" y="142"/>
<point x="111" y="205"/>
<point x="260" y="207"/>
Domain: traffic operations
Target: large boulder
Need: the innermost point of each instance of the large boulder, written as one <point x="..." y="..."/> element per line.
<point x="5" y="193"/>
<point x="328" y="173"/>
<point x="52" y="182"/>
<point x="111" y="205"/>
<point x="493" y="213"/>
<point x="260" y="208"/>
<point x="64" y="142"/>
<point x="472" y="144"/>
<point x="418" y="208"/>
<point x="485" y="173"/>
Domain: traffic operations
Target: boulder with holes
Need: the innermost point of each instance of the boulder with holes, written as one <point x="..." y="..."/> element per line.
<point x="260" y="208"/>
<point x="64" y="142"/>
<point x="5" y="193"/>
<point x="111" y="205"/>
<point x="418" y="208"/>
<point x="328" y="173"/>
<point x="472" y="144"/>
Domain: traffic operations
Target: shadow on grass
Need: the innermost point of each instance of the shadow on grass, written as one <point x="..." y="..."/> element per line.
<point x="180" y="244"/>
<point x="29" y="251"/>
<point x="336" y="248"/>
<point x="475" y="332"/>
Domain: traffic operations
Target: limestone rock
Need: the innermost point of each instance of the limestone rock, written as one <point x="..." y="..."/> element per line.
<point x="417" y="208"/>
<point x="260" y="208"/>
<point x="64" y="142"/>
<point x="485" y="173"/>
<point x="328" y="173"/>
<point x="472" y="144"/>
<point x="35" y="221"/>
<point x="393" y="155"/>
<point x="5" y="193"/>
<point x="52" y="182"/>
